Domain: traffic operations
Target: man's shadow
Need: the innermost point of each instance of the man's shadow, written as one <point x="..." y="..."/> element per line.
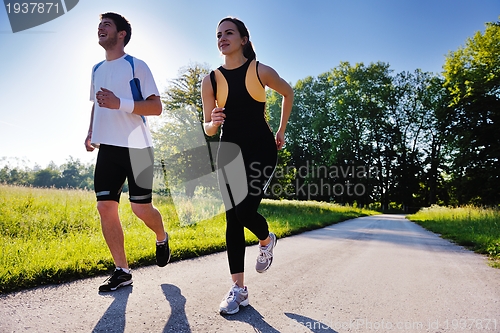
<point x="315" y="326"/>
<point x="177" y="322"/>
<point x="113" y="320"/>
<point x="249" y="315"/>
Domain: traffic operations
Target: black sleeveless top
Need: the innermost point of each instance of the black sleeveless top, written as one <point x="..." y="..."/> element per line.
<point x="243" y="96"/>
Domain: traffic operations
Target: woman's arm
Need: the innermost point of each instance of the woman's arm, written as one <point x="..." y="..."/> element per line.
<point x="213" y="116"/>
<point x="270" y="78"/>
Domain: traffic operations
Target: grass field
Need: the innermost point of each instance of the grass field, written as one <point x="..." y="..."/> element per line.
<point x="475" y="228"/>
<point x="51" y="236"/>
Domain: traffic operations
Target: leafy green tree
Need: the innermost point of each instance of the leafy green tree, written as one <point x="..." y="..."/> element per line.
<point x="472" y="120"/>
<point x="180" y="131"/>
<point x="364" y="117"/>
<point x="16" y="176"/>
<point x="433" y="186"/>
<point x="412" y="118"/>
<point x="282" y="184"/>
<point x="47" y="177"/>
<point x="74" y="174"/>
<point x="306" y="143"/>
<point x="359" y="104"/>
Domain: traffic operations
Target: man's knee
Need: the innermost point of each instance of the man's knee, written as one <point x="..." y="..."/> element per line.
<point x="143" y="211"/>
<point x="107" y="209"/>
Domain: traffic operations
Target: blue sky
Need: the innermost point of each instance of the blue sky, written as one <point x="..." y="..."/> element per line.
<point x="44" y="101"/>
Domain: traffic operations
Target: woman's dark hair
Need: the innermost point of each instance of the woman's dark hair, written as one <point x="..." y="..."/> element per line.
<point x="248" y="51"/>
<point x="121" y="24"/>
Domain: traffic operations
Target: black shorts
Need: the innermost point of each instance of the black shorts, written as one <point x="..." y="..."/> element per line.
<point x="115" y="164"/>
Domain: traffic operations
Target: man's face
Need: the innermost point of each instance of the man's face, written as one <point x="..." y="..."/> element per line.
<point x="107" y="33"/>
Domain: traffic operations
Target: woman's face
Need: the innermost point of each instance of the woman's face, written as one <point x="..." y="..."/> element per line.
<point x="229" y="39"/>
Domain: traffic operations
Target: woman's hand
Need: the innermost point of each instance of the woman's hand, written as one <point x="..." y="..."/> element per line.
<point x="217" y="117"/>
<point x="280" y="139"/>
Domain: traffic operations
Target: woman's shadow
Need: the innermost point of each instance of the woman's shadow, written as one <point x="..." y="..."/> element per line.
<point x="252" y="317"/>
<point x="177" y="322"/>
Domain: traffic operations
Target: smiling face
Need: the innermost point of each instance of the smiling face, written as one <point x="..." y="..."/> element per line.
<point x="108" y="34"/>
<point x="229" y="39"/>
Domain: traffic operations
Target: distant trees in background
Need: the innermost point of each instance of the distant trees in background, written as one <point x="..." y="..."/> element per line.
<point x="72" y="174"/>
<point x="358" y="134"/>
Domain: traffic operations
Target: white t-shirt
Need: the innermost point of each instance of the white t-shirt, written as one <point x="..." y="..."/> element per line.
<point x="115" y="127"/>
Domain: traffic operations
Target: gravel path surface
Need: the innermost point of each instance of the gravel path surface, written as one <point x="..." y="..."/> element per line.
<point x="371" y="274"/>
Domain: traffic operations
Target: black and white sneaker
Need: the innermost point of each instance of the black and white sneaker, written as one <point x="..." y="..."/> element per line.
<point x="162" y="252"/>
<point x="117" y="280"/>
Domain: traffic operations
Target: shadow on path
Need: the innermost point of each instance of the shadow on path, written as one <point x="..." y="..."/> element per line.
<point x="252" y="317"/>
<point x="177" y="322"/>
<point x="113" y="320"/>
<point x="315" y="326"/>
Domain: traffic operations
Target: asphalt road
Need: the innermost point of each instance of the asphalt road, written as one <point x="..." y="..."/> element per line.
<point x="371" y="274"/>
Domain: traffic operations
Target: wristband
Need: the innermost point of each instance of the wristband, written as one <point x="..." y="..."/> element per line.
<point x="126" y="105"/>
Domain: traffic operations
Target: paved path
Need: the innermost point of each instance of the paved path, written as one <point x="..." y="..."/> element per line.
<point x="371" y="274"/>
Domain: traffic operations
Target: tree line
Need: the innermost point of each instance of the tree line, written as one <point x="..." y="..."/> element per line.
<point x="72" y="174"/>
<point x="412" y="138"/>
<point x="425" y="138"/>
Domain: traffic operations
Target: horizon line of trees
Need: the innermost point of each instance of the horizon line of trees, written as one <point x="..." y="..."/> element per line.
<point x="72" y="174"/>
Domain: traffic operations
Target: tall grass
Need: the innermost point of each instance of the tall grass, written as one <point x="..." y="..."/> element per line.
<point x="473" y="227"/>
<point x="51" y="236"/>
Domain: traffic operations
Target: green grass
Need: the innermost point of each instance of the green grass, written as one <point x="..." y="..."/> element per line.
<point x="475" y="228"/>
<point x="51" y="236"/>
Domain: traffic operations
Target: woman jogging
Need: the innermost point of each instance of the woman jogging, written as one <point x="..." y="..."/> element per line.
<point x="234" y="99"/>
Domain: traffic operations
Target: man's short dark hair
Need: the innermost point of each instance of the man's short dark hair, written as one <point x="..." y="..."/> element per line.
<point x="122" y="24"/>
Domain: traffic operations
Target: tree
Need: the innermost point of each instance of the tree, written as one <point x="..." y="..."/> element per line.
<point x="179" y="136"/>
<point x="365" y="127"/>
<point x="47" y="177"/>
<point x="359" y="103"/>
<point x="74" y="174"/>
<point x="413" y="116"/>
<point x="472" y="119"/>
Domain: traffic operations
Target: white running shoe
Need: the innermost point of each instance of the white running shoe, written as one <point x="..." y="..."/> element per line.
<point x="235" y="297"/>
<point x="265" y="258"/>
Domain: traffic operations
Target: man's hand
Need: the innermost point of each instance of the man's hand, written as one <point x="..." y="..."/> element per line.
<point x="107" y="99"/>
<point x="88" y="146"/>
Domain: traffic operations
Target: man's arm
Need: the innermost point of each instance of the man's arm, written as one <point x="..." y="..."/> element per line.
<point x="88" y="146"/>
<point x="149" y="107"/>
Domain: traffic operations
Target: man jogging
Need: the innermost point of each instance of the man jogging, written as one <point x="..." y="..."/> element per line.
<point x="123" y="92"/>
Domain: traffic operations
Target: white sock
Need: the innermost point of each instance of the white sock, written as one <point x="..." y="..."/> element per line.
<point x="163" y="241"/>
<point x="124" y="269"/>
